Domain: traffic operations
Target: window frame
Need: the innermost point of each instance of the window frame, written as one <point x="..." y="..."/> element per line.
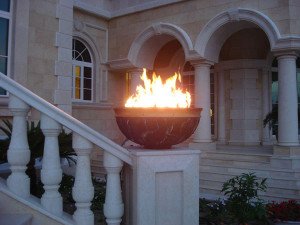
<point x="8" y="16"/>
<point x="82" y="64"/>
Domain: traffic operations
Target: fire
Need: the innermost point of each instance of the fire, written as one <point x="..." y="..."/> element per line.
<point x="155" y="93"/>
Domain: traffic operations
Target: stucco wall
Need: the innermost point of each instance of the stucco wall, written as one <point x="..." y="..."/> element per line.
<point x="191" y="16"/>
<point x="42" y="52"/>
<point x="109" y="91"/>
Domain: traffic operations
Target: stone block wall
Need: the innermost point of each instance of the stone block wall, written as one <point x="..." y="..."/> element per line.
<point x="245" y="107"/>
<point x="42" y="52"/>
<point x="191" y="16"/>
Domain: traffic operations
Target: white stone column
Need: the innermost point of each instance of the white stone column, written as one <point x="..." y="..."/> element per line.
<point x="221" y="109"/>
<point x="287" y="101"/>
<point x="202" y="134"/>
<point x="266" y="140"/>
<point x="51" y="173"/>
<point x="18" y="154"/>
<point x="83" y="190"/>
<point x="135" y="79"/>
<point x="113" y="207"/>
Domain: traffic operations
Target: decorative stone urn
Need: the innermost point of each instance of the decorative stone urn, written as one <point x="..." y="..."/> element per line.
<point x="158" y="128"/>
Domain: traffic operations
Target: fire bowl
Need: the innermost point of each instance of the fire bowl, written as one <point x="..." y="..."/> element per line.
<point x="157" y="128"/>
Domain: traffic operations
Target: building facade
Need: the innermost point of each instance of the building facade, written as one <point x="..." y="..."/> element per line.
<point x="238" y="59"/>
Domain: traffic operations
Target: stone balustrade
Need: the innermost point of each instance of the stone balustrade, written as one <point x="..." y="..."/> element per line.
<point x="84" y="138"/>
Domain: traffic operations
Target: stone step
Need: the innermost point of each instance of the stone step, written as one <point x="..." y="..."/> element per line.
<point x="235" y="163"/>
<point x="286" y="162"/>
<point x="237" y="156"/>
<point x="244" y="149"/>
<point x="97" y="168"/>
<point x="214" y="192"/>
<point x="97" y="162"/>
<point x="276" y="182"/>
<point x="15" y="219"/>
<point x="262" y="172"/>
<point x="98" y="175"/>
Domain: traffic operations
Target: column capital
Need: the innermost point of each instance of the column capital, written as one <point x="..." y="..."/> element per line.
<point x="284" y="54"/>
<point x="201" y="63"/>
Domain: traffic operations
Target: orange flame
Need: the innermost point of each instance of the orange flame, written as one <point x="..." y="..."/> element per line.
<point x="156" y="94"/>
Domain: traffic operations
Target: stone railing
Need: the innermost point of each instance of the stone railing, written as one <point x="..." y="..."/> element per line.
<point x="52" y="119"/>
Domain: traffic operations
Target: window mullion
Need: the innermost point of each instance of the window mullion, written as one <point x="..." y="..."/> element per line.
<point x="73" y="83"/>
<point x="81" y="82"/>
<point x="92" y="85"/>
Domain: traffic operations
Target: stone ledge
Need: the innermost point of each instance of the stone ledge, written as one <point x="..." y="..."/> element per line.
<point x="203" y="145"/>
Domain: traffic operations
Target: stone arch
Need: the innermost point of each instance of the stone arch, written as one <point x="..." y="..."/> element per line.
<point x="219" y="28"/>
<point x="147" y="44"/>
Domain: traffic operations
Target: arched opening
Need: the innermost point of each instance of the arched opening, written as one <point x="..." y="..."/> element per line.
<point x="242" y="59"/>
<point x="251" y="43"/>
<point x="155" y="39"/>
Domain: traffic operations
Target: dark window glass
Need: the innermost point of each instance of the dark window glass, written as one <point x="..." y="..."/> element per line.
<point x="80" y="52"/>
<point x="79" y="46"/>
<point x="2" y="91"/>
<point x="87" y="72"/>
<point x="3" y="65"/>
<point x="87" y="83"/>
<point x="3" y="36"/>
<point x="87" y="94"/>
<point x="275" y="63"/>
<point x="86" y="56"/>
<point x="274" y="88"/>
<point x="4" y="5"/>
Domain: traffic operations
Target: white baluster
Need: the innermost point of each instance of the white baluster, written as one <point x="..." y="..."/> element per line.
<point x="51" y="173"/>
<point x="18" y="154"/>
<point x="113" y="207"/>
<point x="83" y="190"/>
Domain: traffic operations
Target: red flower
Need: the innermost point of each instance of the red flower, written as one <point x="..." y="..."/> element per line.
<point x="286" y="210"/>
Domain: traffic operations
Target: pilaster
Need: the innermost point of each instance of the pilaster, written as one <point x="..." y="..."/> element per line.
<point x="63" y="65"/>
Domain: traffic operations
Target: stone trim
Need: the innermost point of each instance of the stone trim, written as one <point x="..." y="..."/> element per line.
<point x="111" y="14"/>
<point x="63" y="65"/>
<point x="164" y="30"/>
<point x="245" y="17"/>
<point x="19" y="52"/>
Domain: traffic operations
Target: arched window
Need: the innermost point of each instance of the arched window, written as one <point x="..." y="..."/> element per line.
<point x="82" y="82"/>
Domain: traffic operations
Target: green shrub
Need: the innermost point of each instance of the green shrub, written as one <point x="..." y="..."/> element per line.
<point x="243" y="202"/>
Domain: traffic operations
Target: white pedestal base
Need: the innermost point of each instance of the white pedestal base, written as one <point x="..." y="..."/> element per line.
<point x="162" y="187"/>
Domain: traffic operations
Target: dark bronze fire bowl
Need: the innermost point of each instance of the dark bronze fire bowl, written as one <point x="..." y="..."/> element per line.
<point x="157" y="128"/>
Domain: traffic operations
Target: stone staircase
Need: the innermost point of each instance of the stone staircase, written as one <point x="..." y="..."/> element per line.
<point x="219" y="165"/>
<point x="15" y="219"/>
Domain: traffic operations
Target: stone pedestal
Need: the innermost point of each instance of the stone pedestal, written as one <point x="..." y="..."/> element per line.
<point x="162" y="187"/>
